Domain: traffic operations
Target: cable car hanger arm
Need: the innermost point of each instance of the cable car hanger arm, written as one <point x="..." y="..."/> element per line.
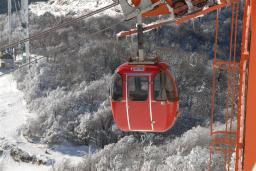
<point x="131" y="12"/>
<point x="178" y="20"/>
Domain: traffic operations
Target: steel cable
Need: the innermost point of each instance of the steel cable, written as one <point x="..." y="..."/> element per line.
<point x="34" y="61"/>
<point x="43" y="33"/>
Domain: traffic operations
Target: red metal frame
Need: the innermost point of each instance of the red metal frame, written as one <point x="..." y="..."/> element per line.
<point x="250" y="131"/>
<point x="242" y="88"/>
<point x="224" y="140"/>
<point x="199" y="13"/>
<point x="178" y="21"/>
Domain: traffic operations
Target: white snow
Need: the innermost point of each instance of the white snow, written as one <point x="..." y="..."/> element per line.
<point x="73" y="7"/>
<point x="13" y="111"/>
<point x="14" y="114"/>
<point x="7" y="164"/>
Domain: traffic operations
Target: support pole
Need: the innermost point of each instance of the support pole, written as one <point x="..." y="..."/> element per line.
<point x="10" y="50"/>
<point x="9" y="21"/>
<point x="242" y="87"/>
<point x="140" y="38"/>
<point x="25" y="25"/>
<point x="250" y="121"/>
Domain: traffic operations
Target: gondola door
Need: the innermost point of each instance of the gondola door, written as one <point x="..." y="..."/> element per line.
<point x="138" y="102"/>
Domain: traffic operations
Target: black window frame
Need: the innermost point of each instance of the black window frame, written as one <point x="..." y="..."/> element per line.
<point x="114" y="92"/>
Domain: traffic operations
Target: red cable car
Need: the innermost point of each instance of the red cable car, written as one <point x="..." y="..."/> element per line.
<point x="144" y="97"/>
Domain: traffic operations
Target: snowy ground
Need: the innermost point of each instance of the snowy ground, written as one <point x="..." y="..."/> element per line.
<point x="13" y="114"/>
<point x="74" y="7"/>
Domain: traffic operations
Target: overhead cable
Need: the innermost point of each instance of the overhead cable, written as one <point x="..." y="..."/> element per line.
<point x="43" y="33"/>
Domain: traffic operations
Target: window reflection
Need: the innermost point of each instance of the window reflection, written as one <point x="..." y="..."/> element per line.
<point x="138" y="88"/>
<point x="163" y="87"/>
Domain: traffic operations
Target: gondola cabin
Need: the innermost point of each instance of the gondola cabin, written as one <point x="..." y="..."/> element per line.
<point x="144" y="97"/>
